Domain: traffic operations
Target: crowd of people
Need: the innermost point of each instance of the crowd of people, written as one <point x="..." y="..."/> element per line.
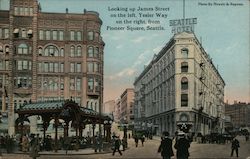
<point x="32" y="143"/>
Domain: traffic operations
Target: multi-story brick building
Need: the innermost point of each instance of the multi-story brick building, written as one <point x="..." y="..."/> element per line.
<point x="49" y="56"/>
<point x="239" y="114"/>
<point x="180" y="85"/>
<point x="127" y="106"/>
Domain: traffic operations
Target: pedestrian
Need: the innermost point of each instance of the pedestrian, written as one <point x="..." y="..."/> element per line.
<point x="235" y="146"/>
<point x="66" y="144"/>
<point x="165" y="147"/>
<point x="25" y="143"/>
<point x="117" y="146"/>
<point x="136" y="140"/>
<point x="142" y="140"/>
<point x="34" y="147"/>
<point x="247" y="136"/>
<point x="182" y="145"/>
<point x="124" y="143"/>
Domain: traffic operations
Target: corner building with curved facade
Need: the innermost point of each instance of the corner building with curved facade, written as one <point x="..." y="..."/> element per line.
<point x="180" y="85"/>
<point x="49" y="56"/>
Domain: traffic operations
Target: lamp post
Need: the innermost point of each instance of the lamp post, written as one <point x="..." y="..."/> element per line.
<point x="107" y="128"/>
<point x="125" y="128"/>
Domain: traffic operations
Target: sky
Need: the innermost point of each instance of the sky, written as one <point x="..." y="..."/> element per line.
<point x="223" y="30"/>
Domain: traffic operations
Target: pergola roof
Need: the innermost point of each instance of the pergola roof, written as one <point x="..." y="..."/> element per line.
<point x="61" y="109"/>
<point x="43" y="106"/>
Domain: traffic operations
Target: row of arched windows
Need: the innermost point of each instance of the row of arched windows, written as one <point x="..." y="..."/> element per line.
<point x="75" y="51"/>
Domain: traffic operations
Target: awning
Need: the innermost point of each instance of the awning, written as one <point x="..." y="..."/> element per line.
<point x="16" y="31"/>
<point x="29" y="31"/>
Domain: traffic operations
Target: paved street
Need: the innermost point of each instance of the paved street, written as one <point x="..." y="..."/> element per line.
<point x="149" y="151"/>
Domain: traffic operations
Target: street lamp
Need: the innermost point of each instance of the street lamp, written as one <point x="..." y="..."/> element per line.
<point x="125" y="128"/>
<point x="107" y="127"/>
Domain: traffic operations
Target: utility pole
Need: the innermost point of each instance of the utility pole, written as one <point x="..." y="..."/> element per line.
<point x="183" y="9"/>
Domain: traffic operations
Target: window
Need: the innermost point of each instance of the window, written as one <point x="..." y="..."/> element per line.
<point x="22" y="49"/>
<point x="79" y="36"/>
<point x="184" y="53"/>
<point x="184" y="100"/>
<point x="90" y="67"/>
<point x="26" y="11"/>
<point x="78" y="84"/>
<point x="40" y="51"/>
<point x="62" y="52"/>
<point x="51" y="67"/>
<point x="184" y="67"/>
<point x="97" y="36"/>
<point x="72" y="35"/>
<point x="16" y="11"/>
<point x="7" y="64"/>
<point x="72" y="84"/>
<point x="72" y="51"/>
<point x="90" y="51"/>
<point x="31" y="11"/>
<point x="51" y="50"/>
<point x="21" y="11"/>
<point x="19" y="65"/>
<point x="1" y="33"/>
<point x="90" y="84"/>
<point x="40" y="69"/>
<point x="79" y="51"/>
<point x="90" y="35"/>
<point x="184" y="83"/>
<point x="96" y="67"/>
<point x="1" y="66"/>
<point x="78" y="67"/>
<point x="6" y="33"/>
<point x="47" y="35"/>
<point x="96" y="52"/>
<point x="1" y="49"/>
<point x="46" y="67"/>
<point x="23" y="35"/>
<point x="60" y="35"/>
<point x="54" y="35"/>
<point x="56" y="67"/>
<point x="24" y="65"/>
<point x="72" y="67"/>
<point x="41" y="34"/>
<point x="97" y="88"/>
<point x="30" y="65"/>
<point x="23" y="82"/>
<point x="62" y="67"/>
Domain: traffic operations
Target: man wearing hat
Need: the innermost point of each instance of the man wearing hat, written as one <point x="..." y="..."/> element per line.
<point x="166" y="146"/>
<point x="182" y="145"/>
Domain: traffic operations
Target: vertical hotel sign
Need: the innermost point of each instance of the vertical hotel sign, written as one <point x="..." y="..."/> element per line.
<point x="181" y="25"/>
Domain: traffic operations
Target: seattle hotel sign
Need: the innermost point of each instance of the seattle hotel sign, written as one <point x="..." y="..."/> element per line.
<point x="181" y="25"/>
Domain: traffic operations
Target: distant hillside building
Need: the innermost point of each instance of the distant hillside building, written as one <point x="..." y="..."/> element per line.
<point x="180" y="85"/>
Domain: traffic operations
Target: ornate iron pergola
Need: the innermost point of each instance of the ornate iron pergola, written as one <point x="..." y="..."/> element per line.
<point x="66" y="110"/>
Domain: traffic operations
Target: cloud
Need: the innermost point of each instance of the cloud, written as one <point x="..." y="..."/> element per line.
<point x="157" y="49"/>
<point x="119" y="46"/>
<point x="126" y="72"/>
<point x="141" y="60"/>
<point x="139" y="39"/>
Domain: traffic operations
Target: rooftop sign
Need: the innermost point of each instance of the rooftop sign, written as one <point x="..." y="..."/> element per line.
<point x="181" y="25"/>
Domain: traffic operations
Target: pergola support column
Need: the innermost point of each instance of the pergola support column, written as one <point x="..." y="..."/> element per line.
<point x="56" y="133"/>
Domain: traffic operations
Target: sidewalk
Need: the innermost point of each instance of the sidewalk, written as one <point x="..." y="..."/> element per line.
<point x="86" y="151"/>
